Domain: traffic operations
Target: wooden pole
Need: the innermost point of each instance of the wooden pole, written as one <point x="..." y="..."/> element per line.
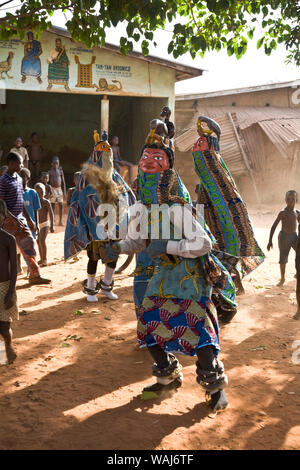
<point x="245" y="158"/>
<point x="104" y="114"/>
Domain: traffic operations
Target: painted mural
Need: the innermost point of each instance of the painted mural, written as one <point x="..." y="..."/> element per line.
<point x="58" y="68"/>
<point x="54" y="63"/>
<point x="31" y="62"/>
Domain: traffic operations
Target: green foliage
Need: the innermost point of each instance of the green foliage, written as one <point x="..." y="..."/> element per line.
<point x="200" y="25"/>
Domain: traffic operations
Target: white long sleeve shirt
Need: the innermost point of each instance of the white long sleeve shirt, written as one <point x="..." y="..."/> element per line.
<point x="192" y="243"/>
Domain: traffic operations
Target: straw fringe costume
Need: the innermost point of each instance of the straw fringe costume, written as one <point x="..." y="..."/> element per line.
<point x="98" y="183"/>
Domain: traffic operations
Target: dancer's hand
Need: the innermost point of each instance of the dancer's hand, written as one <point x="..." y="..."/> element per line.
<point x="270" y="245"/>
<point x="156" y="248"/>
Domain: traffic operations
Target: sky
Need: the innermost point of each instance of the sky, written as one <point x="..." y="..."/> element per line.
<point x="222" y="72"/>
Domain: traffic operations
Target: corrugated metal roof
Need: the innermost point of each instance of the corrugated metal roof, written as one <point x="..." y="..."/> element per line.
<point x="235" y="91"/>
<point x="246" y="116"/>
<point x="282" y="132"/>
<point x="281" y="125"/>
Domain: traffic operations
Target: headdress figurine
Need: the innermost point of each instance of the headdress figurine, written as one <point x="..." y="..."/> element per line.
<point x="165" y="116"/>
<point x="224" y="209"/>
<point x="172" y="290"/>
<point x="98" y="184"/>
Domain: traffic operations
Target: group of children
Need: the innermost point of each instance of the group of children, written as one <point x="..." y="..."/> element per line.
<point x="39" y="202"/>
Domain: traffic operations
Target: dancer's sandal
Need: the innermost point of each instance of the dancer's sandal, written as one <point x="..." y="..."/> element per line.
<point x="168" y="379"/>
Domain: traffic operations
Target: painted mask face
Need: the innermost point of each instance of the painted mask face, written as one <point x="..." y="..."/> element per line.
<point x="154" y="161"/>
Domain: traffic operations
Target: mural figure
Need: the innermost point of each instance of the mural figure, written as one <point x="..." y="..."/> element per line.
<point x="104" y="86"/>
<point x="85" y="73"/>
<point x="58" y="68"/>
<point x="31" y="63"/>
<point x="85" y="78"/>
<point x="6" y="65"/>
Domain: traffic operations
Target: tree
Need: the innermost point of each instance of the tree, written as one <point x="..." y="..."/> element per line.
<point x="198" y="25"/>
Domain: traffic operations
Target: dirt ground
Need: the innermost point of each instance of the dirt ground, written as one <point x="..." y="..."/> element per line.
<point x="83" y="393"/>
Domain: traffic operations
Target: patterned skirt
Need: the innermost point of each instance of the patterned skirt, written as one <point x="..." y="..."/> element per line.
<point x="12" y="313"/>
<point x="177" y="312"/>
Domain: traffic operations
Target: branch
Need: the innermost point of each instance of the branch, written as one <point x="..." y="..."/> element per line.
<point x="193" y="16"/>
<point x="47" y="7"/>
<point x="5" y="3"/>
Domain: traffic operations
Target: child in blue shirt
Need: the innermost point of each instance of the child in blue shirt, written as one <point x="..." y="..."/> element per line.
<point x="31" y="200"/>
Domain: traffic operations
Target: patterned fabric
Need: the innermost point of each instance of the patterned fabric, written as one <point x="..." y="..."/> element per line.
<point x="11" y="190"/>
<point x="161" y="188"/>
<point x="177" y="312"/>
<point x="12" y="313"/>
<point x="83" y="222"/>
<point x="224" y="210"/>
<point x="173" y="305"/>
<point x="25" y="243"/>
<point x="31" y="63"/>
<point x="57" y="195"/>
<point x="58" y="70"/>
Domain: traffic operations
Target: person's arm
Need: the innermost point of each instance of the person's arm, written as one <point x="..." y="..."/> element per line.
<point x="30" y="222"/>
<point x="194" y="242"/>
<point x="36" y="221"/>
<point x="26" y="159"/>
<point x="9" y="214"/>
<point x="69" y="196"/>
<point x="37" y="207"/>
<point x="12" y="251"/>
<point x="273" y="228"/>
<point x="64" y="188"/>
<point x="130" y="246"/>
<point x="51" y="217"/>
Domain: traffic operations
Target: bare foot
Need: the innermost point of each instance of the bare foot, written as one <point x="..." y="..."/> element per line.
<point x="10" y="354"/>
<point x="39" y="280"/>
<point x="297" y="315"/>
<point x="240" y="291"/>
<point x="281" y="282"/>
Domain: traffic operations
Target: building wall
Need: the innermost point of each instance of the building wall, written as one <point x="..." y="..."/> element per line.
<point x="271" y="170"/>
<point x="65" y="124"/>
<point x="120" y="75"/>
<point x="279" y="97"/>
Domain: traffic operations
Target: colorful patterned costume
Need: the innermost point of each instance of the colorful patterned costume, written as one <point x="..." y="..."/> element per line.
<point x="174" y="307"/>
<point x="224" y="210"/>
<point x="153" y="292"/>
<point x="83" y="224"/>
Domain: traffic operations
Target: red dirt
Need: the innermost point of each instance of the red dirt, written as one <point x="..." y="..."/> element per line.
<point x="85" y="396"/>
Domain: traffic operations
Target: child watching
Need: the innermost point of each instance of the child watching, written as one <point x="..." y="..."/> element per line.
<point x="45" y="180"/>
<point x="3" y="170"/>
<point x="57" y="182"/>
<point x="8" y="277"/>
<point x="71" y="190"/>
<point x="31" y="200"/>
<point x="45" y="213"/>
<point x="287" y="238"/>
